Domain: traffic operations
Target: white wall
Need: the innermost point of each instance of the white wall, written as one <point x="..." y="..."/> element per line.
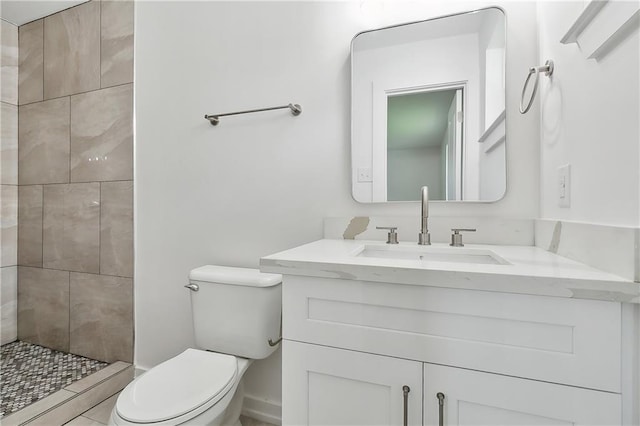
<point x="261" y="183"/>
<point x="590" y="118"/>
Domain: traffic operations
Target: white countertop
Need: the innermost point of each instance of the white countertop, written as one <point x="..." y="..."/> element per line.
<point x="531" y="270"/>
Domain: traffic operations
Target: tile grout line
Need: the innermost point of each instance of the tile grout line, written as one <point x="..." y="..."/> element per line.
<point x="69" y="311"/>
<point x="74" y="272"/>
<point x="637" y="256"/>
<point x="43" y="61"/>
<point x="100" y="45"/>
<point x="69" y="159"/>
<point x="73" y="183"/>
<point x="75" y="94"/>
<point x="42" y="228"/>
<point x="100" y="231"/>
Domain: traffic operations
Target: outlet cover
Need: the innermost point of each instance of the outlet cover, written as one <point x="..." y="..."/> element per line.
<point x="564" y="186"/>
<point x="365" y="175"/>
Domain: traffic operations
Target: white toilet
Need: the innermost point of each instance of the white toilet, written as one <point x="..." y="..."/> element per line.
<point x="236" y="313"/>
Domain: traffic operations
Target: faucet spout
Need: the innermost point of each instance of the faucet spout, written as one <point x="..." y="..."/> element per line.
<point x="424" y="238"/>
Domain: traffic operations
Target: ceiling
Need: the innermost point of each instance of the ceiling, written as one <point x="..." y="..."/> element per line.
<point x="418" y="120"/>
<point x="20" y="12"/>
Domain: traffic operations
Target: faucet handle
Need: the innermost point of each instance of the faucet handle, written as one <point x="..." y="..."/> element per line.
<point x="456" y="236"/>
<point x="392" y="237"/>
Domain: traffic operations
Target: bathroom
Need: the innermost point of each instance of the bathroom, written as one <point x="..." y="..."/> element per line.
<point x="258" y="184"/>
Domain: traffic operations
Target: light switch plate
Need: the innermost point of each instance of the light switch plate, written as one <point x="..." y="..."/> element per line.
<point x="564" y="186"/>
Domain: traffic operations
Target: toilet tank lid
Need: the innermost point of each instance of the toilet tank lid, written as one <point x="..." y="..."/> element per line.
<point x="234" y="276"/>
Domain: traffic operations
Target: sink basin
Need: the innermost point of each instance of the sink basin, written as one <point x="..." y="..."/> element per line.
<point x="432" y="254"/>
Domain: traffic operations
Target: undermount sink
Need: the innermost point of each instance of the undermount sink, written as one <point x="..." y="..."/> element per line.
<point x="432" y="254"/>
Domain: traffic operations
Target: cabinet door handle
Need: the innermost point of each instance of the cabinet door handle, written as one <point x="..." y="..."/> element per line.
<point x="405" y="394"/>
<point x="440" y="397"/>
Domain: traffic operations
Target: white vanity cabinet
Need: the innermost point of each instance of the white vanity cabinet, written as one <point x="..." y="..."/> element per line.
<point x="328" y="386"/>
<point x="478" y="398"/>
<point x="499" y="359"/>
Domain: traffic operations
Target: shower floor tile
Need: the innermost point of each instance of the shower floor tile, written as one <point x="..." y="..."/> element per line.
<point x="30" y="372"/>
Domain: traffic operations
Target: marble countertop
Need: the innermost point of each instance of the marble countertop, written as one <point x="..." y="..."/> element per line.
<point x="530" y="270"/>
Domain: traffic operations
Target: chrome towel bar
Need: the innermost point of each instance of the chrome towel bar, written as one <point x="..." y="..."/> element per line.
<point x="547" y="68"/>
<point x="214" y="119"/>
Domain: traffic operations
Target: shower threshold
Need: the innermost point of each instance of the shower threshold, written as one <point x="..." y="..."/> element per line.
<point x="48" y="387"/>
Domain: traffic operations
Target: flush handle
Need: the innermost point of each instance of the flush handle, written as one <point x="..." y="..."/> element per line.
<point x="440" y="397"/>
<point x="192" y="287"/>
<point x="405" y="395"/>
<point x="273" y="343"/>
<point x="456" y="236"/>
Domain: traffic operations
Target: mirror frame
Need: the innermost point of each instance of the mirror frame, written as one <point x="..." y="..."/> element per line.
<point x="506" y="92"/>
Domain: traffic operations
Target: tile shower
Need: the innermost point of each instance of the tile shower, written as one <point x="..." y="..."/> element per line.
<point x="67" y="183"/>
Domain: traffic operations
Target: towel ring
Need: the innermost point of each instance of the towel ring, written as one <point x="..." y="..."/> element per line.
<point x="547" y="68"/>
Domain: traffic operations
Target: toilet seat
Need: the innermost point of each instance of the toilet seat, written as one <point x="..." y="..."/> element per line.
<point x="188" y="383"/>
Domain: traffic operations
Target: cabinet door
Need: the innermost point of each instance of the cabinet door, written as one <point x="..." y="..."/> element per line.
<point x="475" y="398"/>
<point x="328" y="386"/>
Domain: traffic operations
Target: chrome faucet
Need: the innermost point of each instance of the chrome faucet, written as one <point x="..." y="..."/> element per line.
<point x="424" y="238"/>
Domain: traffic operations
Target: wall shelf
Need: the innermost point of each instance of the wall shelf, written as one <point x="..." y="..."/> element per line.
<point x="499" y="120"/>
<point x="617" y="37"/>
<point x="583" y="21"/>
<point x="599" y="29"/>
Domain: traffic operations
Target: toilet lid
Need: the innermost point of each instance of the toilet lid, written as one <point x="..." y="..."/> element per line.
<point x="178" y="386"/>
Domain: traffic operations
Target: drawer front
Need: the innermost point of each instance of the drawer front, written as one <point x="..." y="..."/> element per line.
<point x="569" y="341"/>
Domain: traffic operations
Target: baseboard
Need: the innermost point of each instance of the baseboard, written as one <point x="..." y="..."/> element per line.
<point x="260" y="409"/>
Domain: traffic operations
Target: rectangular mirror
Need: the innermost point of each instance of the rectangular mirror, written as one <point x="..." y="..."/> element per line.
<point x="427" y="108"/>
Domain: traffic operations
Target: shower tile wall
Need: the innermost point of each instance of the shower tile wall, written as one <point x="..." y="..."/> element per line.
<point x="75" y="176"/>
<point x="8" y="180"/>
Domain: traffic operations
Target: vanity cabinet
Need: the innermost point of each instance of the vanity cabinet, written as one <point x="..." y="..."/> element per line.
<point x="501" y="359"/>
<point x="328" y="386"/>
<point x="477" y="398"/>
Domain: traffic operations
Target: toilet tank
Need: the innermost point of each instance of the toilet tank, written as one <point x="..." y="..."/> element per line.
<point x="236" y="310"/>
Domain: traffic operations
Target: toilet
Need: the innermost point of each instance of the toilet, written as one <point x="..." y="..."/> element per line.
<point x="236" y="319"/>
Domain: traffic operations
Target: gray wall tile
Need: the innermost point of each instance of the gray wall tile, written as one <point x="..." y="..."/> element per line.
<point x="9" y="62"/>
<point x="43" y="307"/>
<point x="9" y="225"/>
<point x="43" y="148"/>
<point x="116" y="228"/>
<point x="30" y="225"/>
<point x="9" y="307"/>
<point x="71" y="227"/>
<point x="79" y="133"/>
<point x="72" y="51"/>
<point x="31" y="63"/>
<point x="116" y="54"/>
<point x="8" y="144"/>
<point x="102" y="317"/>
<point x="102" y="135"/>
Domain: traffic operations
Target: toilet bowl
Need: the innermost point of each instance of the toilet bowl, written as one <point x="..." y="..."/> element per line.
<point x="196" y="387"/>
<point x="235" y="311"/>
